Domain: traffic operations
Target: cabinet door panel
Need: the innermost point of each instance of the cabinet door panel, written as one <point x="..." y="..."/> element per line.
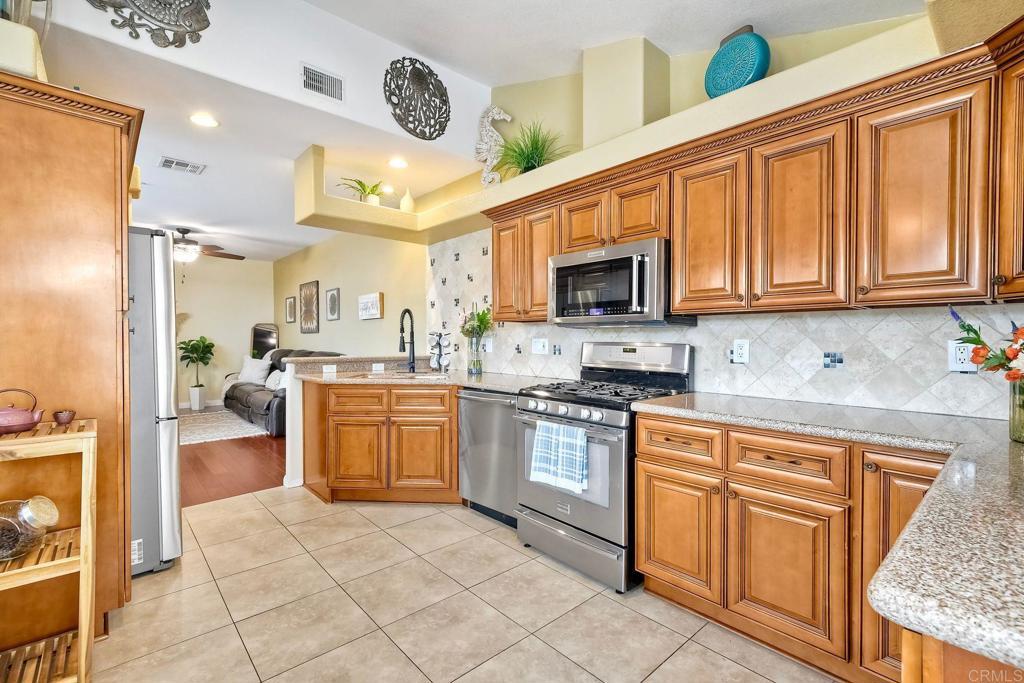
<point x="640" y="210"/>
<point x="798" y="219"/>
<point x="506" y="251"/>
<point x="679" y="528"/>
<point x="923" y="199"/>
<point x="357" y="452"/>
<point x="709" y="235"/>
<point x="540" y="235"/>
<point x="584" y="223"/>
<point x="421" y="453"/>
<point x="892" y="489"/>
<point x="787" y="565"/>
<point x="1010" y="258"/>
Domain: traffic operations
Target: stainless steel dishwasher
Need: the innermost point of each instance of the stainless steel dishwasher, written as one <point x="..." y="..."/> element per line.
<point x="487" y="452"/>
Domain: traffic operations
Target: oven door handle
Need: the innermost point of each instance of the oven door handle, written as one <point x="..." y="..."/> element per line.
<point x="602" y="437"/>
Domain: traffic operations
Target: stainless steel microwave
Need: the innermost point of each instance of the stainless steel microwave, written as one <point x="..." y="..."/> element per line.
<point x="625" y="284"/>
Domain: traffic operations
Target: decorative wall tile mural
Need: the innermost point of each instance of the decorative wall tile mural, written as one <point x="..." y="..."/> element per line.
<point x="891" y="358"/>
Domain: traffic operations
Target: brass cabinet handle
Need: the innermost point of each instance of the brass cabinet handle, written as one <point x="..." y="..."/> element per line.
<point x="863" y="289"/>
<point x="755" y="297"/>
<point x="731" y="494"/>
<point x="682" y="442"/>
<point x="1000" y="280"/>
<point x="603" y="241"/>
<point x="715" y="490"/>
<point x="769" y="456"/>
<point x="612" y="239"/>
<point x="739" y="297"/>
<point x="870" y="467"/>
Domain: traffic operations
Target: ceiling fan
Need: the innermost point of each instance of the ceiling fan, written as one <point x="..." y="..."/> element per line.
<point x="187" y="250"/>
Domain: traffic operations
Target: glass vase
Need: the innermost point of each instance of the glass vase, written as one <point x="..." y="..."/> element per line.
<point x="476" y="364"/>
<point x="1017" y="411"/>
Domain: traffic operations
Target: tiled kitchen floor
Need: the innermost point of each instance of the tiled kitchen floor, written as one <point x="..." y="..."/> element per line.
<point x="278" y="585"/>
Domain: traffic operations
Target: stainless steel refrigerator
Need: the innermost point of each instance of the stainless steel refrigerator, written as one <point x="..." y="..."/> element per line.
<point x="156" y="498"/>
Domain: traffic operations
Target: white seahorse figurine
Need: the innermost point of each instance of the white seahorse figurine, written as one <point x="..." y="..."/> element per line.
<point x="489" y="143"/>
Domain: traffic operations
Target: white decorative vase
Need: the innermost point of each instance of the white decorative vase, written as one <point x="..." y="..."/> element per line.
<point x="196" y="399"/>
<point x="407" y="204"/>
<point x="372" y="199"/>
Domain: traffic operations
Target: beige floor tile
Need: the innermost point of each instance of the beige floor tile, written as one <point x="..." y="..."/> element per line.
<point x="292" y="634"/>
<point x="386" y="515"/>
<point x="683" y="622"/>
<point x="138" y="630"/>
<point x="431" y="533"/>
<point x="217" y="657"/>
<point x="225" y="506"/>
<point x="533" y="595"/>
<point x="273" y="585"/>
<point x="584" y="634"/>
<point x="282" y="495"/>
<point x="565" y="569"/>
<point x="324" y="531"/>
<point x="507" y="535"/>
<point x="475" y="559"/>
<point x="758" y="658"/>
<point x="189" y="570"/>
<point x="481" y="523"/>
<point x="188" y="539"/>
<point x="361" y="556"/>
<point x="448" y="639"/>
<point x="694" y="662"/>
<point x="243" y="554"/>
<point x="229" y="526"/>
<point x="305" y="509"/>
<point x="395" y="592"/>
<point x="371" y="658"/>
<point x="529" y="661"/>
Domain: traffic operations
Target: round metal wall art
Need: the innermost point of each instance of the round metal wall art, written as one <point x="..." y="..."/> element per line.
<point x="741" y="61"/>
<point x="169" y="23"/>
<point x="417" y="97"/>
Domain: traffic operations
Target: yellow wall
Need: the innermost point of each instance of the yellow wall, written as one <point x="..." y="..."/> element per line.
<point x="958" y="24"/>
<point x="221" y="300"/>
<point x="357" y="264"/>
<point x="556" y="102"/>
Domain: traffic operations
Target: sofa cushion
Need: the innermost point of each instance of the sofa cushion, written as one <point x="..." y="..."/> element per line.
<point x="259" y="401"/>
<point x="254" y="370"/>
<point x="243" y="390"/>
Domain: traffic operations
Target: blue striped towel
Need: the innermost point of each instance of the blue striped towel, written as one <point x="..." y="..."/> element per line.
<point x="560" y="456"/>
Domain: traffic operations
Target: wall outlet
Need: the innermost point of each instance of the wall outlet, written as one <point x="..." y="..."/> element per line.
<point x="487" y="344"/>
<point x="540" y="346"/>
<point x="329" y="369"/>
<point x="960" y="357"/>
<point x="377" y="367"/>
<point x="740" y="352"/>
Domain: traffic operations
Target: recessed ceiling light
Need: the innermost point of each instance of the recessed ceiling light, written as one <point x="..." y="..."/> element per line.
<point x="398" y="162"/>
<point x="387" y="189"/>
<point x="204" y="119"/>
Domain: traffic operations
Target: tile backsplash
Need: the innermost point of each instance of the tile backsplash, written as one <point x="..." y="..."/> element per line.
<point x="888" y="358"/>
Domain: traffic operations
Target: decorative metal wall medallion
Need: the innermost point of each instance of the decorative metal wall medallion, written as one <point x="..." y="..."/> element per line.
<point x="168" y="22"/>
<point x="417" y="97"/>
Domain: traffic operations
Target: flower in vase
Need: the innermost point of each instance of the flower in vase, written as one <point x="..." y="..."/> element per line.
<point x="1008" y="358"/>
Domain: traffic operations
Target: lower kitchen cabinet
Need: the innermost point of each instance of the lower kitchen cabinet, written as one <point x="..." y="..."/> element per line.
<point x="421" y="453"/>
<point x="357" y="452"/>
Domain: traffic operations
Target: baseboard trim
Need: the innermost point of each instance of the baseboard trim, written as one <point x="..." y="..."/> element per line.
<point x="186" y="404"/>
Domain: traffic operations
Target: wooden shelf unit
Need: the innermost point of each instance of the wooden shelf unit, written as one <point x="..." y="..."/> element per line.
<point x="68" y="656"/>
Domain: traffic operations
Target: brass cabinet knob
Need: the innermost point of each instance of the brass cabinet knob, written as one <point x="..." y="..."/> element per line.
<point x="739" y="297"/>
<point x="603" y="241"/>
<point x="1000" y="280"/>
<point x="870" y="467"/>
<point x="863" y="289"/>
<point x="715" y="490"/>
<point x="755" y="297"/>
<point x="612" y="240"/>
<point x="732" y="494"/>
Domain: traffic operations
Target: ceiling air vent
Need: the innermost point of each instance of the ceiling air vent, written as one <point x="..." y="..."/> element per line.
<point x="183" y="166"/>
<point x="323" y="83"/>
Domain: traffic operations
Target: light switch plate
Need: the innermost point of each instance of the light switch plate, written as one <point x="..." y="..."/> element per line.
<point x="960" y="357"/>
<point x="740" y="351"/>
<point x="540" y="346"/>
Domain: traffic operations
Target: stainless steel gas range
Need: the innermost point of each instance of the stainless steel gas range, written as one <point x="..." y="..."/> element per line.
<point x="592" y="531"/>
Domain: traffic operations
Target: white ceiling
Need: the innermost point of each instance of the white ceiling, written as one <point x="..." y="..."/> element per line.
<point x="244" y="200"/>
<point x="498" y="42"/>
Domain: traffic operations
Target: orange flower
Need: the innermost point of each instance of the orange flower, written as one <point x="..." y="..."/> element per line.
<point x="979" y="350"/>
<point x="1012" y="352"/>
<point x="1018" y="334"/>
<point x="1013" y="375"/>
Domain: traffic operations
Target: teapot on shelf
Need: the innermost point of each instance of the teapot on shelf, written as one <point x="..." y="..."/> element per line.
<point x="19" y="419"/>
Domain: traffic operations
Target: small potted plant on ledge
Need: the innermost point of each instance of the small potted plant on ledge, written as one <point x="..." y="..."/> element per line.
<point x="474" y="326"/>
<point x="532" y="148"/>
<point x="196" y="352"/>
<point x="369" y="194"/>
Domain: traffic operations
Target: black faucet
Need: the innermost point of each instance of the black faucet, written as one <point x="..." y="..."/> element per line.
<point x="412" y="338"/>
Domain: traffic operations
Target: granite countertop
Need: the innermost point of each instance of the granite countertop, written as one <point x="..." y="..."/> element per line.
<point x="956" y="573"/>
<point x="488" y="381"/>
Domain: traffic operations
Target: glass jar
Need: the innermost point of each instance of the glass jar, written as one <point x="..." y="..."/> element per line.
<point x="476" y="364"/>
<point x="1017" y="411"/>
<point x="23" y="523"/>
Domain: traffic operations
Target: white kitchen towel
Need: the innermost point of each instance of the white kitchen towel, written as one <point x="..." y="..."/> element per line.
<point x="560" y="456"/>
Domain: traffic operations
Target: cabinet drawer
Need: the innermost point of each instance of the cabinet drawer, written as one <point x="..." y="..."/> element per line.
<point x="421" y="400"/>
<point x="684" y="443"/>
<point x="357" y="400"/>
<point x="807" y="464"/>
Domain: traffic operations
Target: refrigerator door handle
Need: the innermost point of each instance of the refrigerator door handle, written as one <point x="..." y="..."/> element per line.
<point x="170" y="491"/>
<point x="165" y="351"/>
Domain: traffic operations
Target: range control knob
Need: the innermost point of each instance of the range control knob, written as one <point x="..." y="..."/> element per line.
<point x="585" y="413"/>
<point x="541" y="405"/>
<point x="596" y="415"/>
<point x="563" y="410"/>
<point x="531" y="404"/>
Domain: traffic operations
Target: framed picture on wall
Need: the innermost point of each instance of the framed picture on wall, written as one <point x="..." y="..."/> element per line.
<point x="371" y="306"/>
<point x="309" y="307"/>
<point x="289" y="309"/>
<point x="333" y="304"/>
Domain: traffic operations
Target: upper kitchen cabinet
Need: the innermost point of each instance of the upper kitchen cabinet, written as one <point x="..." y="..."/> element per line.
<point x="506" y="251"/>
<point x="923" y="231"/>
<point x="799" y="219"/>
<point x="640" y="210"/>
<point x="1009" y="276"/>
<point x="520" y="252"/>
<point x="584" y="223"/>
<point x="709" y="235"/>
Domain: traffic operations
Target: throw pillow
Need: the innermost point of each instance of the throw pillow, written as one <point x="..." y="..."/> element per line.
<point x="274" y="380"/>
<point x="254" y="371"/>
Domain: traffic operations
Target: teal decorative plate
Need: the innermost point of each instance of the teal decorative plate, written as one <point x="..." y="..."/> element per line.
<point x="741" y="61"/>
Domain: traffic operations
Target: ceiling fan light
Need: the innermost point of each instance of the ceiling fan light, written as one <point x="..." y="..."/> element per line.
<point x="398" y="162"/>
<point x="204" y="119"/>
<point x="187" y="253"/>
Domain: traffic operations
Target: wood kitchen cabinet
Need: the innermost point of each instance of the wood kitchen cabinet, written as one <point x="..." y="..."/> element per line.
<point x="584" y="223"/>
<point x="1009" y="275"/>
<point x="357" y="452"/>
<point x="520" y="265"/>
<point x="421" y="453"/>
<point x="640" y="210"/>
<point x="709" y="235"/>
<point x="799" y="219"/>
<point x="922" y="210"/>
<point x="894" y="485"/>
<point x="506" y="259"/>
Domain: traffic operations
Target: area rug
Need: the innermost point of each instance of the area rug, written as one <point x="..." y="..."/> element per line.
<point x="218" y="426"/>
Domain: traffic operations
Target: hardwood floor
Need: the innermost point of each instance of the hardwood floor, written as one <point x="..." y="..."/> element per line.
<point x="221" y="469"/>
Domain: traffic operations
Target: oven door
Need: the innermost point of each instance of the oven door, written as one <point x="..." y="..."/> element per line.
<point x="601" y="508"/>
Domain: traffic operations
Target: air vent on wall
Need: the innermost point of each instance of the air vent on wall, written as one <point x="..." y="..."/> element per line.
<point x="323" y="83"/>
<point x="183" y="166"/>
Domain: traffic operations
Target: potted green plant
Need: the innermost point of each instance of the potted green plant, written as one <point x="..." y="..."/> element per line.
<point x="532" y="148"/>
<point x="196" y="352"/>
<point x="474" y="326"/>
<point x="369" y="194"/>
